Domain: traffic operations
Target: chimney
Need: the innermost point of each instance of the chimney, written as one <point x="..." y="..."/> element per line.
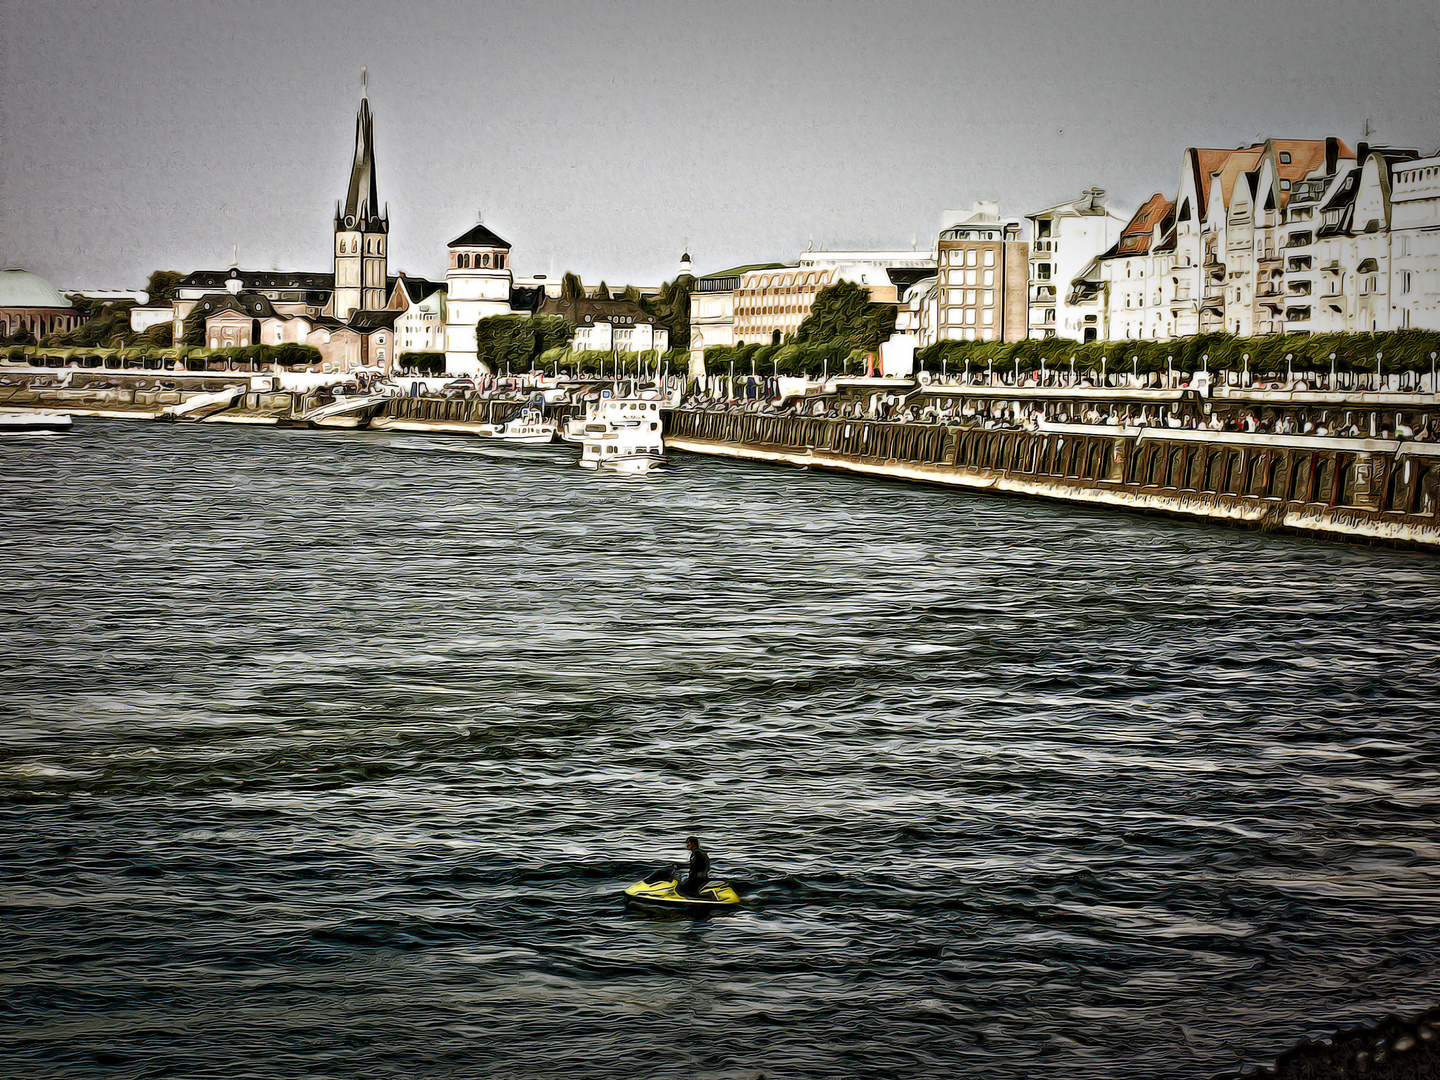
<point x="1332" y="154"/>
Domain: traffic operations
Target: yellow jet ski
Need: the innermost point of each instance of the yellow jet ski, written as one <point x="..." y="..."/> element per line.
<point x="660" y="894"/>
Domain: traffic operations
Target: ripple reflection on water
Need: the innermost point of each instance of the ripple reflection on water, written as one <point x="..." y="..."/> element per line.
<point x="329" y="753"/>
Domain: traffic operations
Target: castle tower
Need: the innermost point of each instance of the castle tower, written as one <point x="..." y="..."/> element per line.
<point x="361" y="227"/>
<point x="477" y="286"/>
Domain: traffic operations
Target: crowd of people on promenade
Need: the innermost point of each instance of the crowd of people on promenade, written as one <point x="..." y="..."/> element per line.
<point x="888" y="408"/>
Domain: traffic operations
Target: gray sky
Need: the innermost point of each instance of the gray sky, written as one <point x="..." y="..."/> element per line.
<point x="605" y="138"/>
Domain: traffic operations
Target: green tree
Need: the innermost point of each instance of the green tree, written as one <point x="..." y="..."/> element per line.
<point x="161" y="335"/>
<point x="551" y="332"/>
<point x="843" y="314"/>
<point x="602" y="292"/>
<point x="671" y="306"/>
<point x="505" y="341"/>
<point x="293" y="354"/>
<point x="161" y="286"/>
<point x="193" y="328"/>
<point x="572" y="288"/>
<point x="631" y="294"/>
<point x="427" y="363"/>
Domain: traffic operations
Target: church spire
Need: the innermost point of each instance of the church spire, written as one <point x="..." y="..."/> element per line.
<point x="362" y="201"/>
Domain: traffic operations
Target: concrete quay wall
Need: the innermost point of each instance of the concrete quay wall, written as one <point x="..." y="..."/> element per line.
<point x="1359" y="490"/>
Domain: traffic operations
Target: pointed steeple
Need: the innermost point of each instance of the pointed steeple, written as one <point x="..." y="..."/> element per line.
<point x="362" y="201"/>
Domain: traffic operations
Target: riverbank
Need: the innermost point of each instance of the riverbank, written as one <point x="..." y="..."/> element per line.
<point x="1356" y="490"/>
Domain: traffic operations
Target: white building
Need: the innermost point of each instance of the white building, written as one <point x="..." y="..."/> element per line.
<point x="609" y="325"/>
<point x="1063" y="241"/>
<point x="1415" y="243"/>
<point x="477" y="286"/>
<point x="420" y="326"/>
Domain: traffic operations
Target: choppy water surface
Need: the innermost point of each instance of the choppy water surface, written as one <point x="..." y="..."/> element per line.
<point x="328" y="753"/>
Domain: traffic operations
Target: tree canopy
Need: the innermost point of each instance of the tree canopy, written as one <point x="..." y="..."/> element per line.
<point x="571" y="287"/>
<point x="514" y="341"/>
<point x="671" y="306"/>
<point x="161" y="286"/>
<point x="844" y="315"/>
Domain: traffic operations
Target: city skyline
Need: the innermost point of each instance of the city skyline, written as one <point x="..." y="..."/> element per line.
<point x="607" y="140"/>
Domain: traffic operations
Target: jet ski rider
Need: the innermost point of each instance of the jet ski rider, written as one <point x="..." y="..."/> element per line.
<point x="699" y="869"/>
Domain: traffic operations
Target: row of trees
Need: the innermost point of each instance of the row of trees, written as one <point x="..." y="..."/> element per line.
<point x="1398" y="350"/>
<point x="287" y="355"/>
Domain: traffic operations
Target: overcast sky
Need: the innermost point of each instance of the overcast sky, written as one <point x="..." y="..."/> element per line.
<point x="606" y="138"/>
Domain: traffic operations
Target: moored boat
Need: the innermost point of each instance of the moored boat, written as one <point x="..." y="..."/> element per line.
<point x="26" y="423"/>
<point x="529" y="427"/>
<point x="622" y="435"/>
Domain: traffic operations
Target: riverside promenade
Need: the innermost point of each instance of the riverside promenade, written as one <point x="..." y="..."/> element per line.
<point x="1117" y="448"/>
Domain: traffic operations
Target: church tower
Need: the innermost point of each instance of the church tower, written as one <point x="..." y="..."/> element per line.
<point x="361" y="228"/>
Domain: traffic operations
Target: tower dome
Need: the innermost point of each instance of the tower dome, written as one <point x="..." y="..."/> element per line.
<point x="22" y="289"/>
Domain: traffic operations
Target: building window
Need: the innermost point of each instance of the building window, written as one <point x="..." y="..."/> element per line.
<point x="1285" y="160"/>
<point x="989" y="256"/>
<point x="1284" y="185"/>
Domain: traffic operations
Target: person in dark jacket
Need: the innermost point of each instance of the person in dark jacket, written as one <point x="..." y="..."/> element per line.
<point x="699" y="869"/>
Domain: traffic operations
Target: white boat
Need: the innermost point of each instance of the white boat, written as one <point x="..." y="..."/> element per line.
<point x="528" y="427"/>
<point x="24" y="423"/>
<point x="622" y="434"/>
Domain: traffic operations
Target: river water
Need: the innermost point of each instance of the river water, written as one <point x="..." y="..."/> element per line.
<point x="329" y="753"/>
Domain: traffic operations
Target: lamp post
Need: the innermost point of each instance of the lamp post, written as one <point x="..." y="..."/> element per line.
<point x="1103" y="359"/>
<point x="944" y="369"/>
<point x="1289" y="369"/>
<point x="967" y="371"/>
<point x="1072" y="371"/>
<point x="1332" y="371"/>
<point x="1432" y="373"/>
<point x="1135" y="369"/>
<point x="1169" y="371"/>
<point x="1379" y="373"/>
<point x="1245" y="371"/>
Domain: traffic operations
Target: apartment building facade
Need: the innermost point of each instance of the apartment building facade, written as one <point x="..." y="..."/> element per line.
<point x="1064" y="240"/>
<point x="983" y="276"/>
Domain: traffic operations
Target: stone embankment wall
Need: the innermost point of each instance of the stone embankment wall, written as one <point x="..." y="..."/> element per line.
<point x="1354" y="489"/>
<point x="471" y="410"/>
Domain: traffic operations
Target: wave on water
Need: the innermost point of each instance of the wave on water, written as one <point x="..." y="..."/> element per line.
<point x="332" y="753"/>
